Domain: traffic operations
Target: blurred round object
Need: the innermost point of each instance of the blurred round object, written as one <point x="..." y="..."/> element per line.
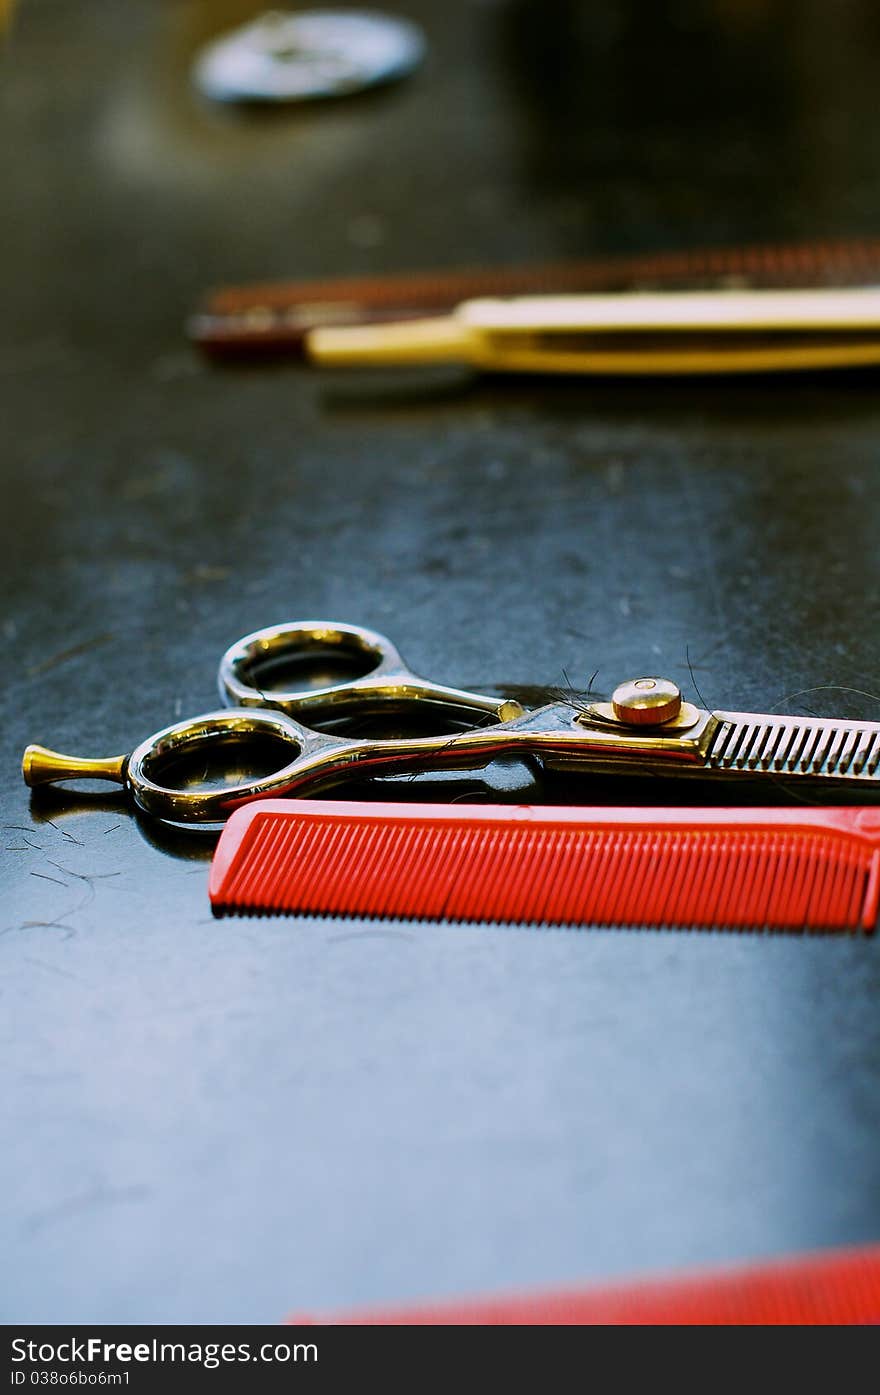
<point x="299" y="56"/>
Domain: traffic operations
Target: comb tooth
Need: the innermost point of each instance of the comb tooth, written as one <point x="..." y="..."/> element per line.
<point x="724" y="734"/>
<point x="709" y="881"/>
<point x="853" y="890"/>
<point x="395" y="858"/>
<point x="729" y="909"/>
<point x="856" y="892"/>
<point x="591" y="884"/>
<point x="713" y="886"/>
<point x="787" y="745"/>
<point x="845" y="898"/>
<point x="300" y="870"/>
<point x="831" y="887"/>
<point x="487" y="890"/>
<point x="750" y="859"/>
<point x="794" y="751"/>
<point x="289" y="862"/>
<point x="740" y="740"/>
<point x="821" y="754"/>
<point x="780" y="889"/>
<point x="805" y="885"/>
<point x="526" y="872"/>
<point x="317" y="862"/>
<point x="274" y="861"/>
<point x="845" y="754"/>
<point x="803" y="876"/>
<point x="644" y="850"/>
<point x="388" y="856"/>
<point x="671" y="865"/>
<point x="512" y="893"/>
<point x="872" y="892"/>
<point x="312" y="884"/>
<point x="261" y="852"/>
<point x="618" y="883"/>
<point x="461" y="875"/>
<point x="554" y="890"/>
<point x="857" y="907"/>
<point x="789" y="734"/>
<point x="629" y="901"/>
<point x="777" y="888"/>
<point x="824" y="888"/>
<point x="622" y="887"/>
<point x="836" y="746"/>
<point x="580" y="853"/>
<point x="751" y="756"/>
<point x="349" y="869"/>
<point x="684" y="888"/>
<point x="551" y="893"/>
<point x="564" y="907"/>
<point x="477" y="900"/>
<point x="798" y="890"/>
<point x="592" y="887"/>
<point x="874" y="758"/>
<point x="861" y="757"/>
<point x="262" y="836"/>
<point x="792" y="911"/>
<point x="766" y="852"/>
<point x="750" y="882"/>
<point x="361" y="863"/>
<point x="814" y="736"/>
<point x="810" y="887"/>
<point x="357" y="868"/>
<point x="776" y="732"/>
<point x="659" y="890"/>
<point x="692" y="911"/>
<point x="458" y="879"/>
<point x="379" y="871"/>
<point x="714" y="883"/>
<point x="657" y="874"/>
<point x="274" y="857"/>
<point x="511" y="882"/>
<point x="414" y="876"/>
<point x="596" y="892"/>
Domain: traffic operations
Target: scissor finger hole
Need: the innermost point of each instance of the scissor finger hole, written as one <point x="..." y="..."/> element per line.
<point x="296" y="660"/>
<point x="308" y="670"/>
<point x="223" y="762"/>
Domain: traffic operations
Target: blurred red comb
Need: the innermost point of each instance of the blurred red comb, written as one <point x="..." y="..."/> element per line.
<point x="839" y="1287"/>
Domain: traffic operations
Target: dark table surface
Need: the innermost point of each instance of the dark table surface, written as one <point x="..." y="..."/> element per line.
<point x="231" y="1120"/>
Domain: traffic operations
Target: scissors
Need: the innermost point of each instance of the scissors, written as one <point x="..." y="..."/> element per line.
<point x="645" y="728"/>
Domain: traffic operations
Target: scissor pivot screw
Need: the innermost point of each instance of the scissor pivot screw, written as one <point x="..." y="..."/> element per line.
<point x="646" y="702"/>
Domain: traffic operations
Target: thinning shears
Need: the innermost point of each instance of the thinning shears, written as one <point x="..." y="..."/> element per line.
<point x="645" y="728"/>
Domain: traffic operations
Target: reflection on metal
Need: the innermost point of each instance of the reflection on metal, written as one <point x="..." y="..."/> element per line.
<point x="653" y="332"/>
<point x="565" y="735"/>
<point x="295" y="57"/>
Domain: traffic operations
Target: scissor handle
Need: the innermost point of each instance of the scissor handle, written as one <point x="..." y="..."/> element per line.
<point x="288" y="743"/>
<point x="293" y="751"/>
<point x="379" y="674"/>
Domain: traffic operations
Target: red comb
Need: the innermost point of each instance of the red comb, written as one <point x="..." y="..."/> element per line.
<point x="737" y="868"/>
<point x="839" y="1287"/>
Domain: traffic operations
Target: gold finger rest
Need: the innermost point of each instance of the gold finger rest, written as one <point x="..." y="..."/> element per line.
<point x="40" y="766"/>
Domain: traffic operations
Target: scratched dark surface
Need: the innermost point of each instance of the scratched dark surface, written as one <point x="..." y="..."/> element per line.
<point x="217" y="1121"/>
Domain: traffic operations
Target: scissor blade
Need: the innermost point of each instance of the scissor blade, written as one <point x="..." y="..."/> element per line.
<point x="815" y="747"/>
